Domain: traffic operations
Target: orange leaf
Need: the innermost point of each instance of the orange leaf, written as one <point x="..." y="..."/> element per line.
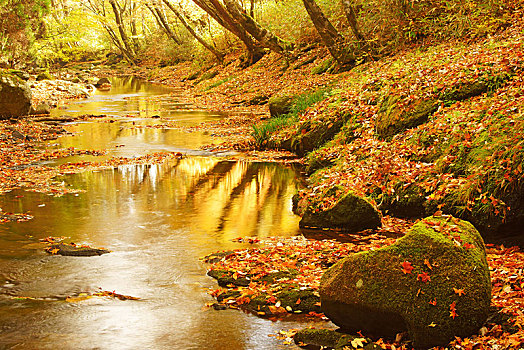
<point x="433" y="302"/>
<point x="298" y="301"/>
<point x="424" y="277"/>
<point x="452" y="310"/>
<point x="406" y="267"/>
<point x="428" y="264"/>
<point x="460" y="292"/>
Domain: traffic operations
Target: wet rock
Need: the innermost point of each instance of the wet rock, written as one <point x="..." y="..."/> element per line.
<point x="75" y="250"/>
<point x="15" y="97"/>
<point x="289" y="300"/>
<point x="434" y="283"/>
<point x="351" y="213"/>
<point x="19" y="136"/>
<point x="258" y="100"/>
<point x="77" y="91"/>
<point x="102" y="82"/>
<point x="226" y="278"/>
<point x="280" y="105"/>
<point x="41" y="109"/>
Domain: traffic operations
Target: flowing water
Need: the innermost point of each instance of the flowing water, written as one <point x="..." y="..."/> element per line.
<point x="157" y="220"/>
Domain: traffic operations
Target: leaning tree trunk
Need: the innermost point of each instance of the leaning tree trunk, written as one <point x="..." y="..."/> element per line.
<point x="162" y="22"/>
<point x="215" y="9"/>
<point x="261" y="34"/>
<point x="333" y="40"/>
<point x="123" y="36"/>
<point x="349" y="11"/>
<point x="190" y="29"/>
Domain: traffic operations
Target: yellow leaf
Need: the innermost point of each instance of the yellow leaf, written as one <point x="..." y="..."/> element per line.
<point x="358" y="342"/>
<point x="432" y="324"/>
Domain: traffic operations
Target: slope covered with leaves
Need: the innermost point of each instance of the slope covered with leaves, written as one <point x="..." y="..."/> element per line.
<point x="466" y="158"/>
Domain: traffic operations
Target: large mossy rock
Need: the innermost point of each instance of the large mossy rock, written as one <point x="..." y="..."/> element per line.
<point x="280" y="105"/>
<point x="351" y="213"/>
<point x="394" y="117"/>
<point x="434" y="282"/>
<point x="312" y="136"/>
<point x="15" y="96"/>
<point x="397" y="114"/>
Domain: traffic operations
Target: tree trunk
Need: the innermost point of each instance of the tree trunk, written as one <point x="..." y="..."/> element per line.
<point x="190" y="29"/>
<point x="121" y="31"/>
<point x="215" y="9"/>
<point x="261" y="34"/>
<point x="162" y="22"/>
<point x="349" y="11"/>
<point x="331" y="38"/>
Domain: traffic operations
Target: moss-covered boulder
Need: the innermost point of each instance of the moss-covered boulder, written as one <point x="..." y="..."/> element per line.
<point x="311" y="136"/>
<point x="394" y="116"/>
<point x="15" y="96"/>
<point x="351" y="213"/>
<point x="434" y="283"/>
<point x="280" y="105"/>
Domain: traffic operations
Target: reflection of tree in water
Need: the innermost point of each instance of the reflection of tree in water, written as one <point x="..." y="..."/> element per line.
<point x="247" y="198"/>
<point x="230" y="199"/>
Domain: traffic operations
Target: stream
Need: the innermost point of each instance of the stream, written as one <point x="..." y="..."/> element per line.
<point x="158" y="221"/>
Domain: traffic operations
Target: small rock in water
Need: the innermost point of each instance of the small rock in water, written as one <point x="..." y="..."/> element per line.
<point x="72" y="249"/>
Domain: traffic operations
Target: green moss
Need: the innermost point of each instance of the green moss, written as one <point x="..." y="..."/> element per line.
<point x="218" y="83"/>
<point x="351" y="213"/>
<point x="44" y="76"/>
<point x="225" y="278"/>
<point x="393" y="119"/>
<point x="323" y="67"/>
<point x="372" y="290"/>
<point x="207" y="75"/>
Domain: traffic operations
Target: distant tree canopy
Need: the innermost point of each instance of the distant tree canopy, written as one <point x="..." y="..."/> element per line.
<point x="58" y="31"/>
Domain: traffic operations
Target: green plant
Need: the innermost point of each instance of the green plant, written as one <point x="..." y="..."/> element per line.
<point x="218" y="83"/>
<point x="262" y="132"/>
<point x="303" y="101"/>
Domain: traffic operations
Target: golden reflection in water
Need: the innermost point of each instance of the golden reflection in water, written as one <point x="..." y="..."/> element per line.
<point x="216" y="198"/>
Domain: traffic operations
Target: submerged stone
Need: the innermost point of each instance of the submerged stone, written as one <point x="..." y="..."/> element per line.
<point x="434" y="283"/>
<point x="332" y="339"/>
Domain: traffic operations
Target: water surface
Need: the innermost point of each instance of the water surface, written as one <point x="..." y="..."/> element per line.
<point x="158" y="220"/>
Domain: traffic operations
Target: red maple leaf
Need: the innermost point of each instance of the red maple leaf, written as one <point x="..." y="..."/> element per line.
<point x="424" y="277"/>
<point x="406" y="267"/>
<point x="433" y="302"/>
<point x="452" y="310"/>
